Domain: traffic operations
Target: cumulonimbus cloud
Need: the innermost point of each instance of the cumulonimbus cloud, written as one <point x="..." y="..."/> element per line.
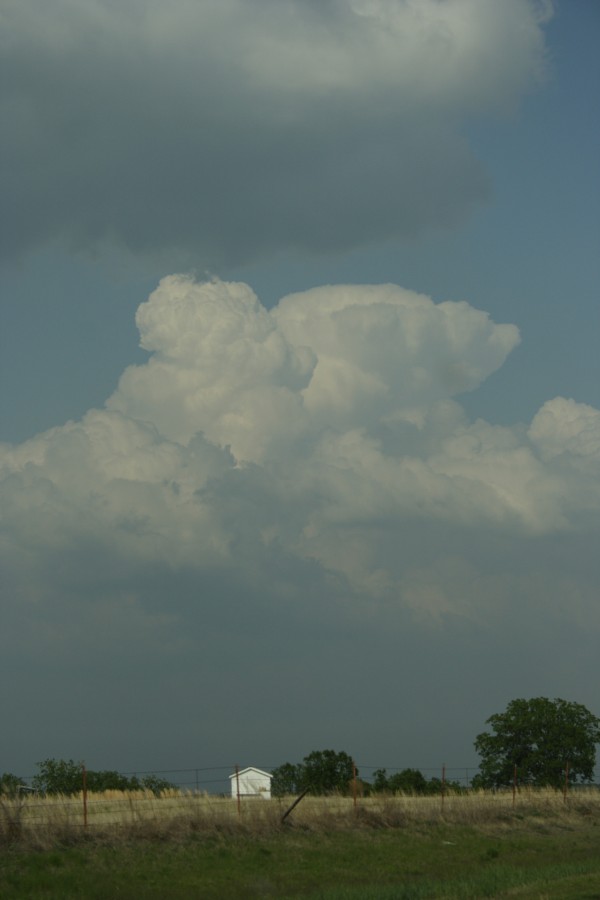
<point x="233" y="129"/>
<point x="299" y="433"/>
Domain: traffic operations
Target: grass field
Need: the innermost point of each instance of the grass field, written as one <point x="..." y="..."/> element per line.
<point x="140" y="846"/>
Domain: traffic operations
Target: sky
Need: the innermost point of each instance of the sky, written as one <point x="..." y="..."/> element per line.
<point x="300" y="391"/>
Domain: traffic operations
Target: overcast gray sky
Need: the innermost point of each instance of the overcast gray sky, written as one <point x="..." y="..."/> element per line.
<point x="300" y="382"/>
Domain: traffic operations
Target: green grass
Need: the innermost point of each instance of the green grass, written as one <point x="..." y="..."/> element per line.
<point x="388" y="848"/>
<point x="409" y="863"/>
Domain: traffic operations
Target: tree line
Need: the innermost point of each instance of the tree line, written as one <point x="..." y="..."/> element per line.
<point x="328" y="771"/>
<point x="537" y="742"/>
<point x="64" y="776"/>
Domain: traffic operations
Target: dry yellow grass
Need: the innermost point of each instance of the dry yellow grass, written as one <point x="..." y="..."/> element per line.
<point x="44" y="821"/>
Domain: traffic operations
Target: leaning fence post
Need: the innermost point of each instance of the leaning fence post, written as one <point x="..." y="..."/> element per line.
<point x="294" y="804"/>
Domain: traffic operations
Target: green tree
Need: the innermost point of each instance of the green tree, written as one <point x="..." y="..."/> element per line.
<point x="286" y="779"/>
<point x="411" y="781"/>
<point x="108" y="781"/>
<point x="58" y="776"/>
<point x="11" y="784"/>
<point x="380" y="781"/>
<point x="540" y="737"/>
<point x="408" y="781"/>
<point x="321" y="772"/>
<point x="63" y="776"/>
<point x="436" y="786"/>
<point x="327" y="771"/>
<point x="151" y="783"/>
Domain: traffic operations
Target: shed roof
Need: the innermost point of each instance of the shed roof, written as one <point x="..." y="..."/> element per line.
<point x="251" y="769"/>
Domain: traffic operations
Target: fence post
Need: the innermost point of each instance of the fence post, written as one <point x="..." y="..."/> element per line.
<point x="294" y="804"/>
<point x="566" y="787"/>
<point x="514" y="789"/>
<point x="237" y="785"/>
<point x="354" y="783"/>
<point x="443" y="785"/>
<point x="84" y="786"/>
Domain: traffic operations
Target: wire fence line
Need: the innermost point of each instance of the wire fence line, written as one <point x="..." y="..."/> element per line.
<point x="174" y="811"/>
<point x="206" y="796"/>
<point x="217" y="779"/>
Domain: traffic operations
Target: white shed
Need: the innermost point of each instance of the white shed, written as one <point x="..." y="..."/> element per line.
<point x="251" y="782"/>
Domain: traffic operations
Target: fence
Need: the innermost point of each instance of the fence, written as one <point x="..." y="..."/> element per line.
<point x="48" y="820"/>
<point x="216" y="780"/>
<point x="203" y="796"/>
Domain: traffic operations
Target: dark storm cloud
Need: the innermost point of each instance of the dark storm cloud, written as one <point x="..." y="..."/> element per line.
<point x="228" y="130"/>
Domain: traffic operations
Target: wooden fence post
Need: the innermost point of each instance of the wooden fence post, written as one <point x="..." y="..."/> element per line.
<point x="566" y="787"/>
<point x="84" y="785"/>
<point x="443" y="785"/>
<point x="237" y="784"/>
<point x="294" y="804"/>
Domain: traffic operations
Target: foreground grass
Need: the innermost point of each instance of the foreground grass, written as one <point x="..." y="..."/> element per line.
<point x="404" y="848"/>
<point x="434" y="862"/>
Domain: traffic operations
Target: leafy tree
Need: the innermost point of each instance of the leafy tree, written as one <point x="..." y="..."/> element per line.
<point x="321" y="772"/>
<point x="408" y="781"/>
<point x="152" y="783"/>
<point x="380" y="781"/>
<point x="325" y="771"/>
<point x="436" y="786"/>
<point x="108" y="781"/>
<point x="411" y="781"/>
<point x="286" y="780"/>
<point x="539" y="737"/>
<point x="11" y="784"/>
<point x="60" y="776"/>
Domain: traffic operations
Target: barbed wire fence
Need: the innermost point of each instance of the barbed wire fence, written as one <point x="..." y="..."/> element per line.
<point x="211" y="785"/>
<point x="216" y="779"/>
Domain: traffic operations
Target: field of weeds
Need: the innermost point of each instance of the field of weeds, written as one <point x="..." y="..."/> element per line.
<point x="185" y="845"/>
<point x="40" y="822"/>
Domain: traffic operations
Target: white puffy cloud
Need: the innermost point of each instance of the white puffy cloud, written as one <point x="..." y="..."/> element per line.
<point x="223" y="131"/>
<point x="339" y="357"/>
<point x="220" y="366"/>
<point x="301" y="433"/>
<point x="112" y="481"/>
<point x="385" y="351"/>
<point x="564" y="428"/>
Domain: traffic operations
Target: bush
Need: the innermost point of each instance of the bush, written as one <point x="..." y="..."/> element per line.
<point x="411" y="781"/>
<point x="60" y="776"/>
<point x="10" y="785"/>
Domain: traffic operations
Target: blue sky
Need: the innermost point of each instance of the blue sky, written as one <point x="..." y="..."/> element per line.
<point x="376" y="501"/>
